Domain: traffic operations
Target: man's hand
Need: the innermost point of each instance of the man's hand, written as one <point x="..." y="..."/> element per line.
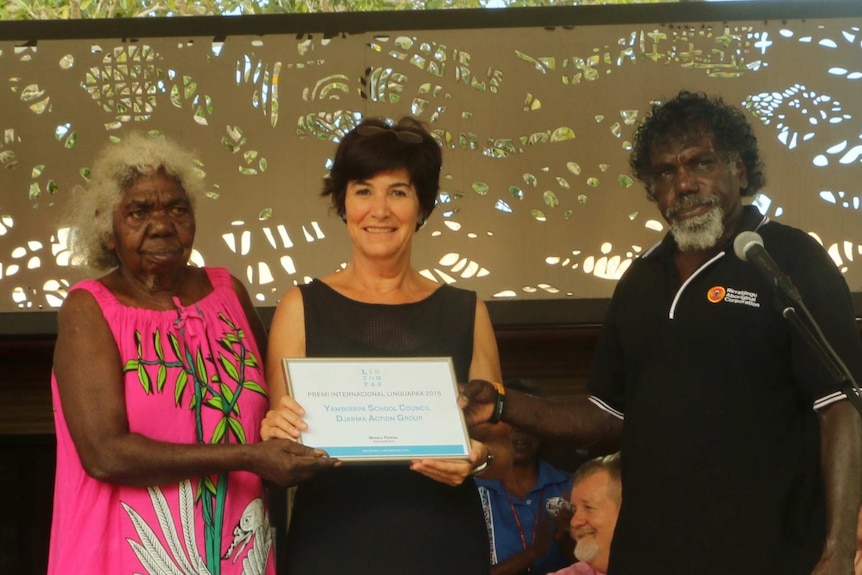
<point x="477" y="399"/>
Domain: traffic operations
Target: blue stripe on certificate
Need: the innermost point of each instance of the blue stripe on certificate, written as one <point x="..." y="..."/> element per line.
<point x="406" y="450"/>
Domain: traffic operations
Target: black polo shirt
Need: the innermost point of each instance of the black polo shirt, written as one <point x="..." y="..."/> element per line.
<point x="721" y="471"/>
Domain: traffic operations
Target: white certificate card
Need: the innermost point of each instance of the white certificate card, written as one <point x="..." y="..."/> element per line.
<point x="379" y="409"/>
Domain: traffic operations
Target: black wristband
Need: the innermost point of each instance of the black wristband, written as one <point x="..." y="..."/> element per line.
<point x="499" y="404"/>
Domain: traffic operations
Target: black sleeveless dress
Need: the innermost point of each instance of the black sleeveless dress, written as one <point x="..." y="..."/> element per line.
<point x="383" y="518"/>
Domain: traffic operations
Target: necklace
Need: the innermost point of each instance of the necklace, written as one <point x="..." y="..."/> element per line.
<point x="518" y="521"/>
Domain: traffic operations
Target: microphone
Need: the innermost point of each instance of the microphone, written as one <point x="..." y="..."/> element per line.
<point x="748" y="246"/>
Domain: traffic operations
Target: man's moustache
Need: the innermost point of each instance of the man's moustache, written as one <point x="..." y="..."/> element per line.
<point x="688" y="202"/>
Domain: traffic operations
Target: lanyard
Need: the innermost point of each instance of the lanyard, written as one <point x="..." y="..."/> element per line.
<point x="518" y="519"/>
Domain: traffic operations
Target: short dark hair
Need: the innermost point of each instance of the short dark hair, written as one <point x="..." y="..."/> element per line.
<point x="362" y="156"/>
<point x="690" y="113"/>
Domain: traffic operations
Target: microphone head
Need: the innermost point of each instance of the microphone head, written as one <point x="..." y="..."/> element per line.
<point x="743" y="243"/>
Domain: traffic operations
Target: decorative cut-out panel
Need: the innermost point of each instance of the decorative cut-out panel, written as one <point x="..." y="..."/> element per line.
<point x="536" y="202"/>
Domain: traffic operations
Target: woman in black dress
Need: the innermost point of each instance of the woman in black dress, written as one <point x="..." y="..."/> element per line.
<point x="421" y="518"/>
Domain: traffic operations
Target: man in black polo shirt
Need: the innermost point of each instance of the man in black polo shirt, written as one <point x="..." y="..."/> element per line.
<point x="740" y="455"/>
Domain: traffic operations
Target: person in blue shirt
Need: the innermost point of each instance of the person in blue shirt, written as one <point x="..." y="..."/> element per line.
<point x="524" y="537"/>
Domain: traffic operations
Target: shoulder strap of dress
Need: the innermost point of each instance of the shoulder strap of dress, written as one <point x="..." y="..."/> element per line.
<point x="100" y="293"/>
<point x="458" y="296"/>
<point x="219" y="277"/>
<point x="314" y="288"/>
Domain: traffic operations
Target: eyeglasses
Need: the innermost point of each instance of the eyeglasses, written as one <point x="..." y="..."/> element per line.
<point x="405" y="136"/>
<point x="556" y="505"/>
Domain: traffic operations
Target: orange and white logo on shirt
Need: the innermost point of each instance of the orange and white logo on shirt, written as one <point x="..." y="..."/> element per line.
<point x="716" y="294"/>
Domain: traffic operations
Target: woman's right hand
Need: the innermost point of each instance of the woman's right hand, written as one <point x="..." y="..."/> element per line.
<point x="284" y="421"/>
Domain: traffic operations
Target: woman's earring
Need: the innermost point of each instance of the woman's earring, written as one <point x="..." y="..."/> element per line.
<point x="343" y="217"/>
<point x="421" y="221"/>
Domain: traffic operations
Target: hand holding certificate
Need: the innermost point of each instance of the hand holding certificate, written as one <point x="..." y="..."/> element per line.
<point x="379" y="409"/>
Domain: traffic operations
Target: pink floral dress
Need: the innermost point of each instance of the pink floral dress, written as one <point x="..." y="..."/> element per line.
<point x="192" y="375"/>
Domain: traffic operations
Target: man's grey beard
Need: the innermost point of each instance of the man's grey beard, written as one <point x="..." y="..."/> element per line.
<point x="586" y="549"/>
<point x="700" y="232"/>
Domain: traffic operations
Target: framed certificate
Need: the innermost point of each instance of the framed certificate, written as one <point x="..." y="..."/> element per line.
<point x="379" y="409"/>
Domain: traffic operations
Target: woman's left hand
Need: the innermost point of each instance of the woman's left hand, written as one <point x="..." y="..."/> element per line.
<point x="452" y="472"/>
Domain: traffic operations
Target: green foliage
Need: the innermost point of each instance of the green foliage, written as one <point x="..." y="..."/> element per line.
<point x="77" y="9"/>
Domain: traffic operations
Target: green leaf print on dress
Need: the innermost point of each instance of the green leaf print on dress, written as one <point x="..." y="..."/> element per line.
<point x="210" y="380"/>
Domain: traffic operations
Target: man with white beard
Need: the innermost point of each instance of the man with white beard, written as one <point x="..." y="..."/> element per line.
<point x="740" y="451"/>
<point x="596" y="498"/>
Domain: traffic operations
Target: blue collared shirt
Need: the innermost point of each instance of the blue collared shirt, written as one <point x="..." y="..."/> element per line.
<point x="502" y="527"/>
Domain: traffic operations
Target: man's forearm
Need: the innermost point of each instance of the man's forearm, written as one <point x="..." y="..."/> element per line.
<point x="841" y="453"/>
<point x="579" y="421"/>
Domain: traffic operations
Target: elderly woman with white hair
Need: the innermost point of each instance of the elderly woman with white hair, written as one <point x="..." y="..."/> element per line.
<point x="158" y="387"/>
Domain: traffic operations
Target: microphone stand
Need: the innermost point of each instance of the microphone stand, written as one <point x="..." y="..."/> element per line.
<point x="828" y="356"/>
